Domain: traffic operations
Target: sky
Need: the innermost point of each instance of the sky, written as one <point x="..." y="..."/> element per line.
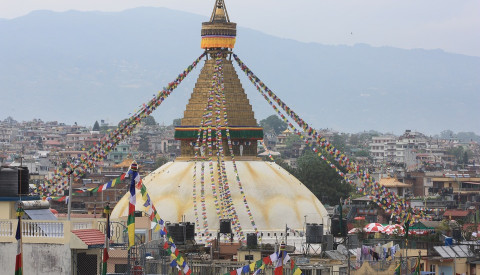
<point x="450" y="25"/>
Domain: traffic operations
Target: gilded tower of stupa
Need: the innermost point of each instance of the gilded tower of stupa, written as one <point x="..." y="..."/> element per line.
<point x="218" y="37"/>
<point x="275" y="197"/>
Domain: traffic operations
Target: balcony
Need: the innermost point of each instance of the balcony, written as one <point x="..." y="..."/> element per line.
<point x="56" y="232"/>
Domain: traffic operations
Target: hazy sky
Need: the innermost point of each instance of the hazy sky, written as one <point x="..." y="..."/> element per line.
<point x="451" y="25"/>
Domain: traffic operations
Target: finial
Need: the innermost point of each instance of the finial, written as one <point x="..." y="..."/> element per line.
<point x="219" y="13"/>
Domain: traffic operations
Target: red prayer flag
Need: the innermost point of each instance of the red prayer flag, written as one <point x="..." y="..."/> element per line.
<point x="267" y="260"/>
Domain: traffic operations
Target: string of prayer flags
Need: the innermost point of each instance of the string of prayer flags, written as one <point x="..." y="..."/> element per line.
<point x="384" y="198"/>
<point x="278" y="259"/>
<point x="107" y="143"/>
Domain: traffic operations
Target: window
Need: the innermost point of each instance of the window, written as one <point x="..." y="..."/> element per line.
<point x="121" y="268"/>
<point x="432" y="268"/>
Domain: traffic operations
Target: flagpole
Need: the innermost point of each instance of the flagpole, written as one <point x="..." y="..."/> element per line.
<point x="131" y="207"/>
<point x="70" y="188"/>
<point x="107" y="212"/>
<point x="18" y="236"/>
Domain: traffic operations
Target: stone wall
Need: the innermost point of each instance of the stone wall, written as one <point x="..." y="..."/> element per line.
<point x="37" y="258"/>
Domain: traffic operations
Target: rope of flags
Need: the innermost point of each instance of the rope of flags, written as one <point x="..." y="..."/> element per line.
<point x="266" y="150"/>
<point x="277" y="259"/>
<point x="177" y="259"/>
<point x="221" y="109"/>
<point x="99" y="152"/>
<point x="97" y="189"/>
<point x="205" y="143"/>
<point x="378" y="193"/>
<point x="204" y="134"/>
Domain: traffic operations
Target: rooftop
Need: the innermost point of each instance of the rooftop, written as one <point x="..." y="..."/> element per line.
<point x="393" y="182"/>
<point x="91" y="237"/>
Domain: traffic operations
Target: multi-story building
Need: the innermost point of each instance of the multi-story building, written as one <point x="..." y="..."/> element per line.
<point x="403" y="149"/>
<point x="379" y="147"/>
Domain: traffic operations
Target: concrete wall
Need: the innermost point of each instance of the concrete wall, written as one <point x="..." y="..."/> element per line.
<point x="37" y="258"/>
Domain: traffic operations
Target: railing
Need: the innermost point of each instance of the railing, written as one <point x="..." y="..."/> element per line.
<point x="118" y="231"/>
<point x="6" y="228"/>
<point x="47" y="229"/>
<point x="76" y="225"/>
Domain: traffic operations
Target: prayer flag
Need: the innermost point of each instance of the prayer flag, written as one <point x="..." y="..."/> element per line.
<point x="18" y="260"/>
<point x="131" y="206"/>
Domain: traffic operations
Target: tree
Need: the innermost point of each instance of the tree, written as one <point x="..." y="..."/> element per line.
<point x="278" y="160"/>
<point x="292" y="140"/>
<point x="446" y="134"/>
<point x="465" y="157"/>
<point x="96" y="126"/>
<point x="321" y="179"/>
<point x="273" y="123"/>
<point x="149" y="120"/>
<point x="177" y="122"/>
<point x="458" y="152"/>
<point x="340" y="141"/>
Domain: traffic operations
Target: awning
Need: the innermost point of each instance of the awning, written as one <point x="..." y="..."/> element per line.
<point x="41" y="214"/>
<point x="471" y="182"/>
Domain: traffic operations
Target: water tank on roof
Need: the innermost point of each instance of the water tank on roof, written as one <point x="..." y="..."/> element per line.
<point x="225" y="226"/>
<point x="9" y="182"/>
<point x="190" y="231"/>
<point x="178" y="232"/>
<point x="339" y="228"/>
<point x="23" y="180"/>
<point x="251" y="240"/>
<point x="314" y="233"/>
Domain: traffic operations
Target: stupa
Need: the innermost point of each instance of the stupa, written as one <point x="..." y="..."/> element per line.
<point x="275" y="198"/>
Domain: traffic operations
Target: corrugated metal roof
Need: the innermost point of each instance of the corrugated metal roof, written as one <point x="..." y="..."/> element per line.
<point x="41" y="214"/>
<point x="90" y="237"/>
<point x="335" y="255"/>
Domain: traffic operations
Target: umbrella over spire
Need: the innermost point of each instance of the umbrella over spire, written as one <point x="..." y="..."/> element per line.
<point x="219" y="32"/>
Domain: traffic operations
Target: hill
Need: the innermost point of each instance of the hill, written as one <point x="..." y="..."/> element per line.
<point x="87" y="66"/>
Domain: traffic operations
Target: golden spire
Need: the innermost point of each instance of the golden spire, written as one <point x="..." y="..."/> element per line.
<point x="218" y="36"/>
<point x="219" y="13"/>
